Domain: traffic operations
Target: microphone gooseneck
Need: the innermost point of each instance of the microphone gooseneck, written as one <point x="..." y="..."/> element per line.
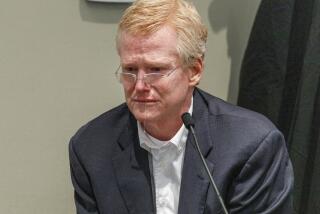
<point x="189" y="123"/>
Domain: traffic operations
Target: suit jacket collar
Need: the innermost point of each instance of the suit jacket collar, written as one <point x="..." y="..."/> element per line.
<point x="131" y="166"/>
<point x="195" y="182"/>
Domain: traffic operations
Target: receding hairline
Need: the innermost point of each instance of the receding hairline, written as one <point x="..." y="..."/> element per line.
<point x="145" y="17"/>
<point x="148" y="25"/>
<point x="164" y="34"/>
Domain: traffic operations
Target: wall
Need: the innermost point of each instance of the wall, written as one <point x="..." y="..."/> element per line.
<point x="57" y="64"/>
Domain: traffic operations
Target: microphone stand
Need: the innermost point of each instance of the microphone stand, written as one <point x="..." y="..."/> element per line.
<point x="188" y="122"/>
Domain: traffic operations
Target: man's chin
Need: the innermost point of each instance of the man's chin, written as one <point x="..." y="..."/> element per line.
<point x="145" y="117"/>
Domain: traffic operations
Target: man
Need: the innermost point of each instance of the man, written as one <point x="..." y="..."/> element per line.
<point x="139" y="158"/>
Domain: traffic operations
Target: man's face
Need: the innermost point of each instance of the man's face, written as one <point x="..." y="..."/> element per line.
<point x="170" y="96"/>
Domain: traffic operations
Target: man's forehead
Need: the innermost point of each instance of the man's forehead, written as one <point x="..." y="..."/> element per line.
<point x="164" y="33"/>
<point x="162" y="42"/>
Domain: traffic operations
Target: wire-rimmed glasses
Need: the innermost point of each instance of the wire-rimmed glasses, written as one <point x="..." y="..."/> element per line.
<point x="126" y="77"/>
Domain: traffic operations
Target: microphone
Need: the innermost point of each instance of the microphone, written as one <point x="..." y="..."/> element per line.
<point x="189" y="124"/>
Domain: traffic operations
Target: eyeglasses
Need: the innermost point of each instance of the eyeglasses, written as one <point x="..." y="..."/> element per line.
<point x="127" y="77"/>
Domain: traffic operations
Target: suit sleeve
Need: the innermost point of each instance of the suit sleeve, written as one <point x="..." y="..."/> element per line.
<point x="265" y="183"/>
<point x="83" y="195"/>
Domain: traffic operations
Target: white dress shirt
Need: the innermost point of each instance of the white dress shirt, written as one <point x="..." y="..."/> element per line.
<point x="167" y="163"/>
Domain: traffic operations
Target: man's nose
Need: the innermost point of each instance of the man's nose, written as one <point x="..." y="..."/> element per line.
<point x="140" y="84"/>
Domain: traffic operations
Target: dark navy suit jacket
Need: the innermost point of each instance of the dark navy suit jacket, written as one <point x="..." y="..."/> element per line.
<point x="246" y="154"/>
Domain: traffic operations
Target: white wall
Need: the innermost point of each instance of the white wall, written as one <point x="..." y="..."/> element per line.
<point x="57" y="61"/>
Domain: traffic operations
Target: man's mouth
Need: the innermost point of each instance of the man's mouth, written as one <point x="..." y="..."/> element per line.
<point x="144" y="100"/>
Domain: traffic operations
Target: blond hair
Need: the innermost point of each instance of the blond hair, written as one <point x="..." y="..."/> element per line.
<point x="145" y="17"/>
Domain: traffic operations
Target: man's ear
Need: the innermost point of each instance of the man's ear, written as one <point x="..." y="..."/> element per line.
<point x="195" y="72"/>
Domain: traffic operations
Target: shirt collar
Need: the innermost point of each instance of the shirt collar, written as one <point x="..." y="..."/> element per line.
<point x="179" y="139"/>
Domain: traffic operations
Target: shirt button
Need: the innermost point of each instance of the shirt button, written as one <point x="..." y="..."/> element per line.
<point x="162" y="164"/>
<point x="162" y="202"/>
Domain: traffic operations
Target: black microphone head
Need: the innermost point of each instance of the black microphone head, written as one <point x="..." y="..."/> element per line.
<point x="187" y="120"/>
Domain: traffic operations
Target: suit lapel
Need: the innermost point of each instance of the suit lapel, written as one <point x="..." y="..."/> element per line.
<point x="195" y="182"/>
<point x="132" y="171"/>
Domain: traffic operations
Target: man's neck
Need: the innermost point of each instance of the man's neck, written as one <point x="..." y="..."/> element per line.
<point x="163" y="130"/>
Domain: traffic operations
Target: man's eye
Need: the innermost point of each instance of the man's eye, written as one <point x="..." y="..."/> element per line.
<point x="130" y="70"/>
<point x="155" y="70"/>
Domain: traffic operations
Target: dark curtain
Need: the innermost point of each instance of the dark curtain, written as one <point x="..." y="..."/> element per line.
<point x="280" y="78"/>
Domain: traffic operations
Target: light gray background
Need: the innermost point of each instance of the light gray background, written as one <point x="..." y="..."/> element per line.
<point x="57" y="63"/>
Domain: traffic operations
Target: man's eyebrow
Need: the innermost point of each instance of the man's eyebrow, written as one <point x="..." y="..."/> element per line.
<point x="150" y="63"/>
<point x="162" y="62"/>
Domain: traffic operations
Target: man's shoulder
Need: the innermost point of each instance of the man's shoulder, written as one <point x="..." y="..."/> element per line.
<point x="234" y="115"/>
<point x="105" y="126"/>
<point x="238" y="130"/>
